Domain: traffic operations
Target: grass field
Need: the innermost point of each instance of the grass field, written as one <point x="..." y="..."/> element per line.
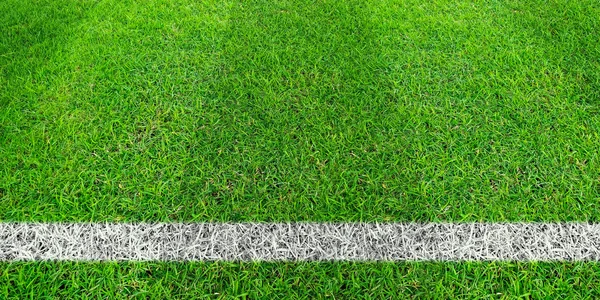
<point x="380" y="110"/>
<point x="302" y="280"/>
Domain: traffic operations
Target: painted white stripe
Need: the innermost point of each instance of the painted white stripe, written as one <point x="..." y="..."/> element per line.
<point x="299" y="241"/>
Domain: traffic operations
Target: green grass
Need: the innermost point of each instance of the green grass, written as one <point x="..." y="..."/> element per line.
<point x="359" y="110"/>
<point x="381" y="110"/>
<point x="300" y="280"/>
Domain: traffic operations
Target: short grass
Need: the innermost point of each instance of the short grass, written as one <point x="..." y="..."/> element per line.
<point x="300" y="280"/>
<point x="298" y="110"/>
<point x="381" y="110"/>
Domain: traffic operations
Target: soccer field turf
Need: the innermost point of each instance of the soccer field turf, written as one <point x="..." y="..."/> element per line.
<point x="321" y="111"/>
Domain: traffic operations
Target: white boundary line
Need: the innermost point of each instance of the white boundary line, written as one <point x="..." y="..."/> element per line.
<point x="299" y="241"/>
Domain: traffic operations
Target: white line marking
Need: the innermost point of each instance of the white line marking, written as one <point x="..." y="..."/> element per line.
<point x="299" y="241"/>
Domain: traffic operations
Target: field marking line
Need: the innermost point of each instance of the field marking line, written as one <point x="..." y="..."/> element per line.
<point x="299" y="241"/>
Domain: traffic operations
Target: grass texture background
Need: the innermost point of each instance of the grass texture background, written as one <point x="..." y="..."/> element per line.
<point x="298" y="110"/>
<point x="301" y="280"/>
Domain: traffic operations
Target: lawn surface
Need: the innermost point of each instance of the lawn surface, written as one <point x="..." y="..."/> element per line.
<point x="381" y="110"/>
<point x="300" y="280"/>
<point x="298" y="110"/>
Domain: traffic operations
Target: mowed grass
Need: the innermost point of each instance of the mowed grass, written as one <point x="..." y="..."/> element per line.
<point x="381" y="110"/>
<point x="299" y="110"/>
<point x="299" y="281"/>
